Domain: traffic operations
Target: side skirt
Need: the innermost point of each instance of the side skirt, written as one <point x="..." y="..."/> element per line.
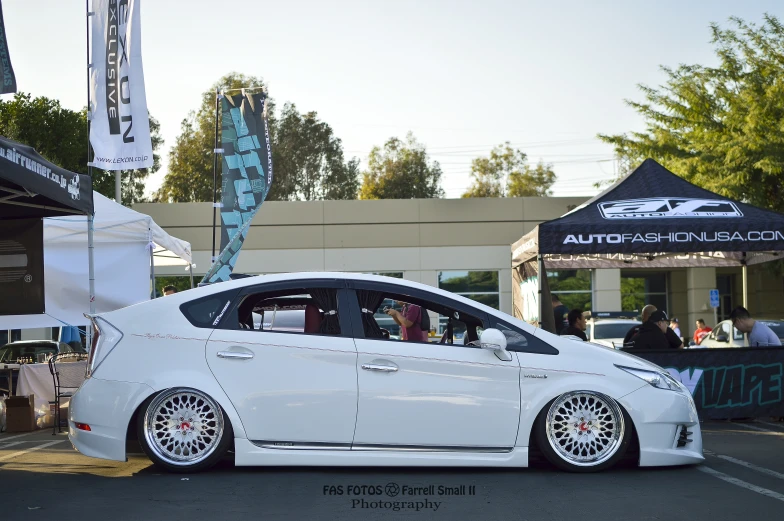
<point x="249" y="454"/>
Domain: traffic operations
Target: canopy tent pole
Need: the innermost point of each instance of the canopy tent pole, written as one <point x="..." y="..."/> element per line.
<point x="152" y="271"/>
<point x="540" y="269"/>
<point x="90" y="221"/>
<point x="190" y="269"/>
<point x="745" y="271"/>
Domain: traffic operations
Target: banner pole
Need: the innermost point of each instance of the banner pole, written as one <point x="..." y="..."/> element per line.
<point x="90" y="222"/>
<point x="215" y="172"/>
<point x="118" y="187"/>
<point x="745" y="271"/>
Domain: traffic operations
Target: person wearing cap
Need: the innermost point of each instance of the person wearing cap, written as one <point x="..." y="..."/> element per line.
<point x="673" y="339"/>
<point x="653" y="333"/>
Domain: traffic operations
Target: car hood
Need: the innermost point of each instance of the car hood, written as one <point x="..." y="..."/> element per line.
<point x="596" y="354"/>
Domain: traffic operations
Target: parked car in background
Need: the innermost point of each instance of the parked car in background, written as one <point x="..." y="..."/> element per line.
<point x="30" y="349"/>
<point x="610" y="328"/>
<point x="725" y="335"/>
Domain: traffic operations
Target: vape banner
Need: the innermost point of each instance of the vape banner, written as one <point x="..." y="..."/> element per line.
<point x="8" y="79"/>
<point x="247" y="174"/>
<point x="120" y="127"/>
<point x="21" y="266"/>
<point x="727" y="383"/>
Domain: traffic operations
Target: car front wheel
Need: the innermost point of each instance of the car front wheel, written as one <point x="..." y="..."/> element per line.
<point x="583" y="431"/>
<point x="183" y="430"/>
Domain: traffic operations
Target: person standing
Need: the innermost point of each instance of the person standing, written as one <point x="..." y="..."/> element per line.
<point x="674" y="326"/>
<point x="560" y="311"/>
<point x="760" y="335"/>
<point x="702" y="331"/>
<point x="646" y="314"/>
<point x="577" y="325"/>
<point x="653" y="333"/>
<point x="410" y="321"/>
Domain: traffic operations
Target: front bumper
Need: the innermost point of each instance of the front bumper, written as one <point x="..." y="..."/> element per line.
<point x="660" y="417"/>
<point x="107" y="407"/>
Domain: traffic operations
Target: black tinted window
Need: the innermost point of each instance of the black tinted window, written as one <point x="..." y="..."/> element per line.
<point x="519" y="340"/>
<point x="207" y="311"/>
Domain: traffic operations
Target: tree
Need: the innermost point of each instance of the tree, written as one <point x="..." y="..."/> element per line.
<point x="189" y="177"/>
<point x="60" y="135"/>
<point x="401" y="170"/>
<point x="506" y="173"/>
<point x="308" y="160"/>
<point x="720" y="127"/>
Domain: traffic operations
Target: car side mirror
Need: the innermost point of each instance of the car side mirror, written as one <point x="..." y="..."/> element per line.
<point x="495" y="341"/>
<point x="722" y="338"/>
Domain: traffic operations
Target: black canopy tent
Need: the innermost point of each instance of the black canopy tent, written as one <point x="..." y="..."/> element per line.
<point x="649" y="219"/>
<point x="32" y="188"/>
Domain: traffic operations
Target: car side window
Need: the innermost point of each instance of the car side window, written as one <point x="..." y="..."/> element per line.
<point x="384" y="313"/>
<point x="311" y="311"/>
<point x="207" y="311"/>
<point x="725" y="329"/>
<point x="520" y="341"/>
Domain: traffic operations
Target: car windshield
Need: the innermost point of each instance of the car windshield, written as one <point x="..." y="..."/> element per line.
<point x="616" y="330"/>
<point x="777" y="326"/>
<point x="12" y="352"/>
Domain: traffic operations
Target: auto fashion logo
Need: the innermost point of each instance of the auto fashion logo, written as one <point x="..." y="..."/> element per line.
<point x="397" y="497"/>
<point x="668" y="207"/>
<point x="673" y="237"/>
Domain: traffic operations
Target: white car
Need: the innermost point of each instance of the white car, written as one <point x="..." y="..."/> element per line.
<point x="610" y="332"/>
<point x="725" y="335"/>
<point x="192" y="376"/>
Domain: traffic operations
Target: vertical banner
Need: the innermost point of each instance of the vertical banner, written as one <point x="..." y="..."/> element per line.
<point x="9" y="79"/>
<point x="22" y="266"/>
<point x="247" y="174"/>
<point x="120" y="127"/>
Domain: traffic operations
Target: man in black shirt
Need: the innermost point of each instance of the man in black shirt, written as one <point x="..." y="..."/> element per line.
<point x="672" y="338"/>
<point x="652" y="334"/>
<point x="577" y="325"/>
<point x="560" y="311"/>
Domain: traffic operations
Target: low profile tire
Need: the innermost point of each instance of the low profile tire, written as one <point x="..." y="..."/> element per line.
<point x="583" y="431"/>
<point x="183" y="430"/>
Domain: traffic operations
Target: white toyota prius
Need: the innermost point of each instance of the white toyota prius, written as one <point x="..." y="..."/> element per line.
<point x="294" y="369"/>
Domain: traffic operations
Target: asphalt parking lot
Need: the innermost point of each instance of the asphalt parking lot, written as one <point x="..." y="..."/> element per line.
<point x="42" y="477"/>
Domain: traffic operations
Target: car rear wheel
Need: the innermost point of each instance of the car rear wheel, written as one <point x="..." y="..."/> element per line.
<point x="583" y="431"/>
<point x="183" y="430"/>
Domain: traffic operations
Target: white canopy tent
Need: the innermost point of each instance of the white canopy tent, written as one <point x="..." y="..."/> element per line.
<point x="124" y="243"/>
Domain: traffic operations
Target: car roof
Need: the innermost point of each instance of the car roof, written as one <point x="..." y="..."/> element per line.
<point x="31" y="342"/>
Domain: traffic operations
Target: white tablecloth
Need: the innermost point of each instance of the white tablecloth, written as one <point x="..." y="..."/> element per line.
<point x="36" y="379"/>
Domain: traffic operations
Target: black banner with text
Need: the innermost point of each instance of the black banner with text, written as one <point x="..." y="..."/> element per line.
<point x="728" y="383"/>
<point x="21" y="266"/>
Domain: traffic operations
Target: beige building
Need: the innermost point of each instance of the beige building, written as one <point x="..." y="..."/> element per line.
<point x="459" y="244"/>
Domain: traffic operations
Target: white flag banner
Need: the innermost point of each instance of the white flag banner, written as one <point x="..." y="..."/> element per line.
<point x="120" y="128"/>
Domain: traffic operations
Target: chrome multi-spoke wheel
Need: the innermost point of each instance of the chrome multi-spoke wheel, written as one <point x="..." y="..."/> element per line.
<point x="585" y="429"/>
<point x="183" y="428"/>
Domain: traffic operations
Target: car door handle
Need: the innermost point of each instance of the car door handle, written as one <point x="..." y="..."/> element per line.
<point x="380" y="368"/>
<point x="236" y="355"/>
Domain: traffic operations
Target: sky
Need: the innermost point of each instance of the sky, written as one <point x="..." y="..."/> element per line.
<point x="463" y="76"/>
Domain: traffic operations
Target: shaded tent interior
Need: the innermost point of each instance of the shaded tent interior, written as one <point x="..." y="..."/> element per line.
<point x="651" y="218"/>
<point x="32" y="188"/>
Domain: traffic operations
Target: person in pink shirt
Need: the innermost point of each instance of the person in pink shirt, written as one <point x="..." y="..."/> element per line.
<point x="410" y="322"/>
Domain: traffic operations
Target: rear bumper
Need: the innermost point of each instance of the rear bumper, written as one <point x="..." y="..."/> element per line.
<point x="107" y="407"/>
<point x="659" y="417"/>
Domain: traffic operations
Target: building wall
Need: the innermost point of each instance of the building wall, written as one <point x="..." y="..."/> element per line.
<point x="418" y="237"/>
<point x="421" y="237"/>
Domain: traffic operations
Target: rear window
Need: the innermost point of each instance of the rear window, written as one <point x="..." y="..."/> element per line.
<point x="604" y="331"/>
<point x="208" y="311"/>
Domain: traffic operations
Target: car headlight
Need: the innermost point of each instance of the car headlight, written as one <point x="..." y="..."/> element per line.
<point x="658" y="379"/>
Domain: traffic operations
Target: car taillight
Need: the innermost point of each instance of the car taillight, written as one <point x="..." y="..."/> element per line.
<point x="105" y="338"/>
